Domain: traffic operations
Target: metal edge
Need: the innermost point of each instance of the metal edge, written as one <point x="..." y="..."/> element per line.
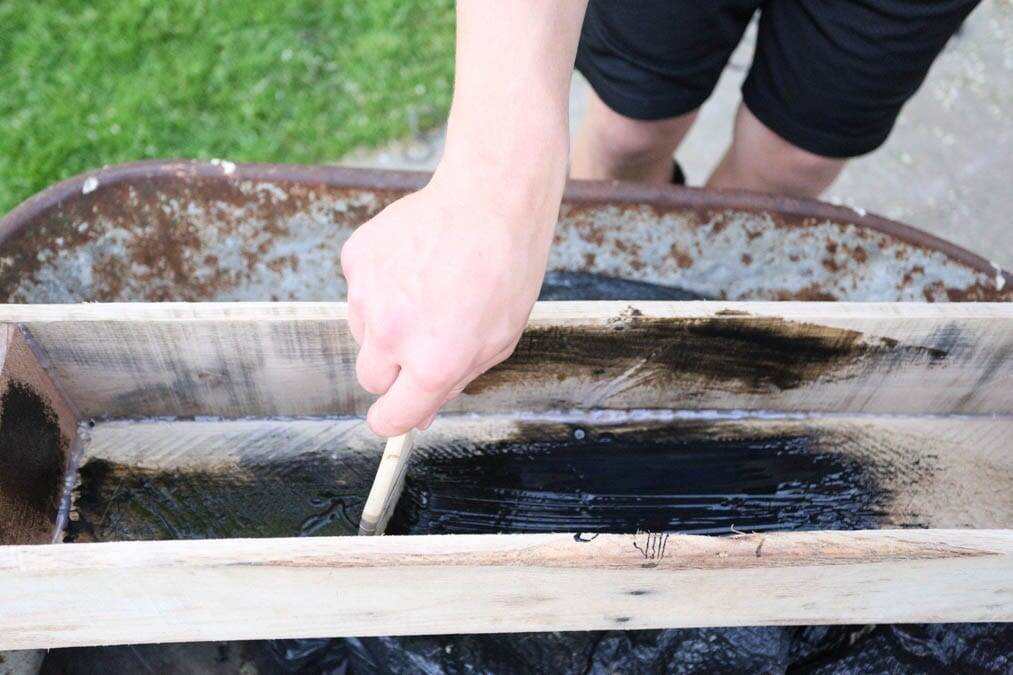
<point x="613" y="192"/>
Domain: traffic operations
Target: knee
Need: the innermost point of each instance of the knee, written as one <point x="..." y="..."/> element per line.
<point x="798" y="171"/>
<point x="626" y="140"/>
<point x="630" y="139"/>
<point x="764" y="161"/>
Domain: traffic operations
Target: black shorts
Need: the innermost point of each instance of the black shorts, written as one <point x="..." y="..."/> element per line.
<point x="829" y="76"/>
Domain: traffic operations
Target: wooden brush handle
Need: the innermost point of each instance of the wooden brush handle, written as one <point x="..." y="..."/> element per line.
<point x="387" y="484"/>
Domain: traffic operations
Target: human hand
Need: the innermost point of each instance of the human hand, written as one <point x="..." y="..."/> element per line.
<point x="441" y="283"/>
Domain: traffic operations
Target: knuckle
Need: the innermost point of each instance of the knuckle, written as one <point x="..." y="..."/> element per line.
<point x="349" y="255"/>
<point x="500" y="358"/>
<point x="370" y="386"/>
<point x="457" y="391"/>
<point x="503" y="353"/>
<point x="434" y="375"/>
<point x="353" y="307"/>
<point x="385" y="330"/>
<point x="355" y="296"/>
<point x="354" y="310"/>
<point x="369" y="379"/>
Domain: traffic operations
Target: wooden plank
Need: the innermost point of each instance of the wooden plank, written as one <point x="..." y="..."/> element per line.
<point x="262" y="359"/>
<point x="37" y="432"/>
<point x="62" y="595"/>
<point x="919" y="471"/>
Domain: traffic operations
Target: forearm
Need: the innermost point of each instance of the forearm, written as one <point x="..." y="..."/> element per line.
<point x="511" y="93"/>
<point x="441" y="282"/>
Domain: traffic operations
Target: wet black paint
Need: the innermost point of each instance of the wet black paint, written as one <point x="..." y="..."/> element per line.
<point x="742" y="354"/>
<point x="312" y="494"/>
<point x="32" y="456"/>
<point x="622" y="480"/>
<point x="551" y="478"/>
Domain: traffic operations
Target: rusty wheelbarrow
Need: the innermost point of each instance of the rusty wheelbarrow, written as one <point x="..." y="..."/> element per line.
<point x="182" y="230"/>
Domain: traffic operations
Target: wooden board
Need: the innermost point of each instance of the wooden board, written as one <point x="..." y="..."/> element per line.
<point x="262" y="359"/>
<point x="89" y="594"/>
<point x="37" y="433"/>
<point x="924" y="471"/>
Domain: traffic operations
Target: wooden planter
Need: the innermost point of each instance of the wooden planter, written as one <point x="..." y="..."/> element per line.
<point x="921" y="393"/>
<point x="915" y="397"/>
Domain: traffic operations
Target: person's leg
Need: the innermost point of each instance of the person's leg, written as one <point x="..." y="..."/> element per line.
<point x="827" y="82"/>
<point x="760" y="160"/>
<point x="610" y="146"/>
<point x="651" y="64"/>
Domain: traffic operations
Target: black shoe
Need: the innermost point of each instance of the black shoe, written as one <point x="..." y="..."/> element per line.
<point x="678" y="177"/>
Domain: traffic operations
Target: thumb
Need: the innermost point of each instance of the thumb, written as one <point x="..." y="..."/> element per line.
<point x="374" y="368"/>
<point x="404" y="406"/>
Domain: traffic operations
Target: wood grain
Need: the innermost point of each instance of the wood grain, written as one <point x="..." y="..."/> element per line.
<point x="262" y="359"/>
<point x="55" y="596"/>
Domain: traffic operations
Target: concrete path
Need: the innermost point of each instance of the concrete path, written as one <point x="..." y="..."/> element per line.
<point x="947" y="168"/>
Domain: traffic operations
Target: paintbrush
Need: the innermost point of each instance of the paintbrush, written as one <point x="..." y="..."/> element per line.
<point x="387" y="484"/>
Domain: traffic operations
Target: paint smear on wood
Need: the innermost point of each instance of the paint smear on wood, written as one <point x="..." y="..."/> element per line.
<point x="32" y="457"/>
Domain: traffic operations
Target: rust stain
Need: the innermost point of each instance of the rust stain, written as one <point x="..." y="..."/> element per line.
<point x="811" y="293"/>
<point x="165" y="237"/>
<point x="144" y="235"/>
<point x="683" y="259"/>
<point x="909" y="275"/>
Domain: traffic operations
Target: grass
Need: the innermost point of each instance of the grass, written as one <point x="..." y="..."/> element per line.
<point x="83" y="84"/>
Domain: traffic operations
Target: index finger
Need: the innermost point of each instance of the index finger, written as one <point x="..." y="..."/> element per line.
<point x="404" y="406"/>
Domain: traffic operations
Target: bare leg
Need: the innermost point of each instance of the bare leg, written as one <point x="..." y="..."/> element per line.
<point x="761" y="160"/>
<point x="610" y="146"/>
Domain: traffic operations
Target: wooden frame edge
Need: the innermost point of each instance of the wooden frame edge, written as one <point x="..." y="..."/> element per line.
<point x="132" y="592"/>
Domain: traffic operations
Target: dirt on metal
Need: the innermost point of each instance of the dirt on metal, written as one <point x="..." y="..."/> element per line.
<point x="195" y="231"/>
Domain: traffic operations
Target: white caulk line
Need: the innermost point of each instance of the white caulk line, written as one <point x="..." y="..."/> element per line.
<point x="69" y="478"/>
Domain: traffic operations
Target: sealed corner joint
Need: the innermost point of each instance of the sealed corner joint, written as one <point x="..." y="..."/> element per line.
<point x="37" y="432"/>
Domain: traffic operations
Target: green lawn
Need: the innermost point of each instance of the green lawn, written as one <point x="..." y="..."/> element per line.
<point x="84" y="84"/>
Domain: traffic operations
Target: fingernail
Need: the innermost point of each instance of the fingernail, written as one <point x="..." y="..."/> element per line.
<point x="371" y="419"/>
